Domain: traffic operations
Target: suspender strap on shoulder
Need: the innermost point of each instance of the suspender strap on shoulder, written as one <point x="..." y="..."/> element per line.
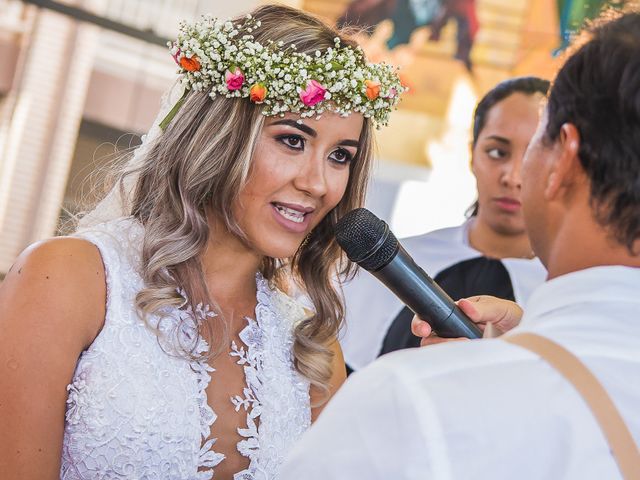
<point x="620" y="441"/>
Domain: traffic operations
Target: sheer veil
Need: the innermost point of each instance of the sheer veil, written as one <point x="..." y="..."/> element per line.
<point x="117" y="202"/>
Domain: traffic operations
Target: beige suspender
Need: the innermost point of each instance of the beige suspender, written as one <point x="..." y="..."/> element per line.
<point x="620" y="441"/>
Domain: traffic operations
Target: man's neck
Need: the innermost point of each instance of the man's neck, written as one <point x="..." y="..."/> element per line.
<point x="582" y="243"/>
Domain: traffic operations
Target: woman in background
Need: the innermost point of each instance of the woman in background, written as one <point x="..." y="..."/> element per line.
<point x="159" y="342"/>
<point x="489" y="254"/>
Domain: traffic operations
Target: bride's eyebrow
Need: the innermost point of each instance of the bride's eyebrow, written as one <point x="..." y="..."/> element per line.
<point x="292" y="123"/>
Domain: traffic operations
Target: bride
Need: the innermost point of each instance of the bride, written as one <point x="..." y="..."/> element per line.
<point x="163" y="339"/>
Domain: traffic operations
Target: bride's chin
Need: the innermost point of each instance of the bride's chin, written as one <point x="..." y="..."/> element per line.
<point x="271" y="247"/>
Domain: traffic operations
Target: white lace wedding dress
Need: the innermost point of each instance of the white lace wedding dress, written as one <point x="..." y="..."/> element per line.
<point x="137" y="409"/>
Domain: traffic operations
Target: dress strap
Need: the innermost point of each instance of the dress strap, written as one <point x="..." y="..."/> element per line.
<point x="619" y="438"/>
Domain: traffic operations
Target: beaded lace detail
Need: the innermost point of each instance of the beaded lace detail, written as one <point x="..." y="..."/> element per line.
<point x="249" y="398"/>
<point x="187" y="335"/>
<point x="267" y="359"/>
<point x="138" y="409"/>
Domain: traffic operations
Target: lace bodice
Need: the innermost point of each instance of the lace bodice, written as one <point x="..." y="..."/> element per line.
<point x="137" y="408"/>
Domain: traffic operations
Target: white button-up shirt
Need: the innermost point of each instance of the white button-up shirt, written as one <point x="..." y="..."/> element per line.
<point x="487" y="409"/>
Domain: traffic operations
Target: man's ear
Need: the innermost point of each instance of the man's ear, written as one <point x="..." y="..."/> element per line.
<point x="564" y="161"/>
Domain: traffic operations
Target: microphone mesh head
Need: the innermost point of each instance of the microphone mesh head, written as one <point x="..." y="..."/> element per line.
<point x="366" y="239"/>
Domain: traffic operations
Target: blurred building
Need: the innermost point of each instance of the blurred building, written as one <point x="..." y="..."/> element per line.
<point x="73" y="94"/>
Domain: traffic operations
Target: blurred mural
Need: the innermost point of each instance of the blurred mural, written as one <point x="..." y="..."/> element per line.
<point x="572" y="15"/>
<point x="408" y="15"/>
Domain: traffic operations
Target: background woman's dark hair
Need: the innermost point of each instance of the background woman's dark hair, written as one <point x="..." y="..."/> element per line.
<point x="506" y="88"/>
<point x="598" y="91"/>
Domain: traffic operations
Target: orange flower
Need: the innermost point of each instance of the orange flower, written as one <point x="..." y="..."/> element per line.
<point x="190" y="64"/>
<point x="258" y="93"/>
<point x="373" y="89"/>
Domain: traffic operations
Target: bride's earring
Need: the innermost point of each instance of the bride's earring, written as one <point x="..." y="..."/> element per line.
<point x="305" y="241"/>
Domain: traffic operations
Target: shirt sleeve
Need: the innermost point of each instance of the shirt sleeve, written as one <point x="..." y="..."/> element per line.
<point x="370" y="429"/>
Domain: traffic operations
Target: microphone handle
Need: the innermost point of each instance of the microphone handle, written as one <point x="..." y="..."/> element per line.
<point x="425" y="298"/>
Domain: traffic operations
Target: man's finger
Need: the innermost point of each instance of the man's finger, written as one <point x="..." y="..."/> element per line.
<point x="483" y="309"/>
<point x="433" y="340"/>
<point x="419" y="327"/>
<point x="467" y="305"/>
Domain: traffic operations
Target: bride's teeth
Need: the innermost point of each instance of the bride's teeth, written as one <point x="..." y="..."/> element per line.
<point x="290" y="214"/>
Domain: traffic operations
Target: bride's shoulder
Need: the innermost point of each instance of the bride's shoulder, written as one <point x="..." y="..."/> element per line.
<point x="63" y="276"/>
<point x="72" y="255"/>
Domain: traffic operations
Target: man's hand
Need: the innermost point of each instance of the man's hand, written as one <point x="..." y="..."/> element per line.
<point x="500" y="315"/>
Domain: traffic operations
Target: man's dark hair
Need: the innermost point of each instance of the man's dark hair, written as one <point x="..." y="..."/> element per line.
<point x="598" y="91"/>
<point x="526" y="85"/>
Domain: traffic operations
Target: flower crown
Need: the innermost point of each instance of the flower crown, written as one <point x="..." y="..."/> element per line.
<point x="223" y="58"/>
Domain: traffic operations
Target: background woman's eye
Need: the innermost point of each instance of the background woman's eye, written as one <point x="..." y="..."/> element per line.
<point x="340" y="156"/>
<point x="496" y="153"/>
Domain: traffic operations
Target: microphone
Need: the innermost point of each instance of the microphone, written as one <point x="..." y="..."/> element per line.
<point x="369" y="242"/>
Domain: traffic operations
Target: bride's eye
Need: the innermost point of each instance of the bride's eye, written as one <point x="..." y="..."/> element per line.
<point x="341" y="156"/>
<point x="294" y="142"/>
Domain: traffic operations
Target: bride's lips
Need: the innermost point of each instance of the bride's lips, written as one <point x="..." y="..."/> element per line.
<point x="508" y="204"/>
<point x="293" y="217"/>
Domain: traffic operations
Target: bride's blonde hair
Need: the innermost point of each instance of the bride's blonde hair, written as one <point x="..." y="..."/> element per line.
<point x="202" y="161"/>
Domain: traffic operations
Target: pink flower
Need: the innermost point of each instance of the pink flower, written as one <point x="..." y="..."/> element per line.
<point x="176" y="57"/>
<point x="313" y="94"/>
<point x="234" y="80"/>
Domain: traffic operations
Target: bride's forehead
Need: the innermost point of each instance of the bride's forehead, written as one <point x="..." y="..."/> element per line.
<point x="326" y="123"/>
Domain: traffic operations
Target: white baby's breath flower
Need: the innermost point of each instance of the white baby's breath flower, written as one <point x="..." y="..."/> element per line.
<point x="285" y="73"/>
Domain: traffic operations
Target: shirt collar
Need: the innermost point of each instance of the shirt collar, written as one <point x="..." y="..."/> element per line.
<point x="597" y="284"/>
